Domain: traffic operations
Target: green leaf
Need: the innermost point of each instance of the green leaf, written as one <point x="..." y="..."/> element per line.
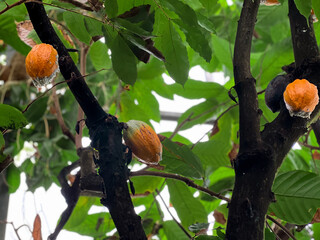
<point x="75" y="23"/>
<point x="123" y="61"/>
<point x="297" y="195"/>
<point x="36" y="111"/>
<point x="129" y="110"/>
<point x="197" y="37"/>
<point x="93" y="26"/>
<point x="214" y="153"/>
<point x="223" y="50"/>
<point x="11" y="118"/>
<point x="141" y="91"/>
<point x="204" y="237"/>
<point x="194" y="89"/>
<point x="316" y="230"/>
<point x="131" y="27"/>
<point x="181" y="160"/>
<point x="304" y="7"/>
<point x="189" y="209"/>
<point x="13" y="178"/>
<point x="143" y="184"/>
<point x="198" y="114"/>
<point x="2" y="142"/>
<point x="80" y="212"/>
<point x="111" y="8"/>
<point x="174" y="51"/>
<point x="173" y="232"/>
<point x="99" y="55"/>
<point x="93" y="225"/>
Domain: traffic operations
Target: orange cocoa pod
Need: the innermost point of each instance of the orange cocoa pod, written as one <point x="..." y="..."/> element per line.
<point x="143" y="141"/>
<point x="42" y="64"/>
<point x="270" y="2"/>
<point x="301" y="98"/>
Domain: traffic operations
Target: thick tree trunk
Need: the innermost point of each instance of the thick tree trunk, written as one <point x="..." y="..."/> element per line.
<point x="261" y="154"/>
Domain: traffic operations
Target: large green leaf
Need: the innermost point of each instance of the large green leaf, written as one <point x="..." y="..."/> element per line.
<point x="36" y="111"/>
<point x="111" y="8"/>
<point x="1" y="140"/>
<point x="181" y="160"/>
<point x="189" y="209"/>
<point x="123" y="61"/>
<point x="223" y="50"/>
<point x="198" y="114"/>
<point x="11" y="118"/>
<point x="194" y="89"/>
<point x="214" y="153"/>
<point x="146" y="184"/>
<point x="93" y="225"/>
<point x="173" y="49"/>
<point x="297" y="196"/>
<point x="80" y="212"/>
<point x="173" y="232"/>
<point x="146" y="100"/>
<point x="99" y="55"/>
<point x="197" y="37"/>
<point x="75" y="23"/>
<point x="13" y="178"/>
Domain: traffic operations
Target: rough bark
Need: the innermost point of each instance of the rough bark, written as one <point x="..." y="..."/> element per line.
<point x="261" y="154"/>
<point x="105" y="132"/>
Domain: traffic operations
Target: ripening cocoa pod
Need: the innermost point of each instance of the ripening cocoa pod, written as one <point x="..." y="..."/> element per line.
<point x="143" y="141"/>
<point x="274" y="92"/>
<point x="301" y="98"/>
<point x="42" y="64"/>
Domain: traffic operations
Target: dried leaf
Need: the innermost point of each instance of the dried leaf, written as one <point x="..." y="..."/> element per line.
<point x="219" y="217"/>
<point x="234" y="151"/>
<point x="23" y="29"/>
<point x="316" y="217"/>
<point x="316" y="155"/>
<point x="36" y="234"/>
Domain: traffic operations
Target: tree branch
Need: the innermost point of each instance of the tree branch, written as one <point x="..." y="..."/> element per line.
<point x="187" y="181"/>
<point x="302" y="34"/>
<point x="244" y="82"/>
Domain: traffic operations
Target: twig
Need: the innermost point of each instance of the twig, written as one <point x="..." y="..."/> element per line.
<point x="215" y="123"/>
<point x="83" y="62"/>
<point x="282" y="227"/>
<point x="174" y="219"/>
<point x="5" y="163"/>
<point x="268" y="225"/>
<point x="63" y="126"/>
<point x="8" y="7"/>
<point x="309" y="146"/>
<point x="78" y="4"/>
<point x="176" y="130"/>
<point x="66" y="9"/>
<point x="45" y="92"/>
<point x="187" y="181"/>
<point x="15" y="229"/>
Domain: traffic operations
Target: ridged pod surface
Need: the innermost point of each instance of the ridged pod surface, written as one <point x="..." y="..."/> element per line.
<point x="301" y="98"/>
<point x="42" y="64"/>
<point x="143" y="141"/>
